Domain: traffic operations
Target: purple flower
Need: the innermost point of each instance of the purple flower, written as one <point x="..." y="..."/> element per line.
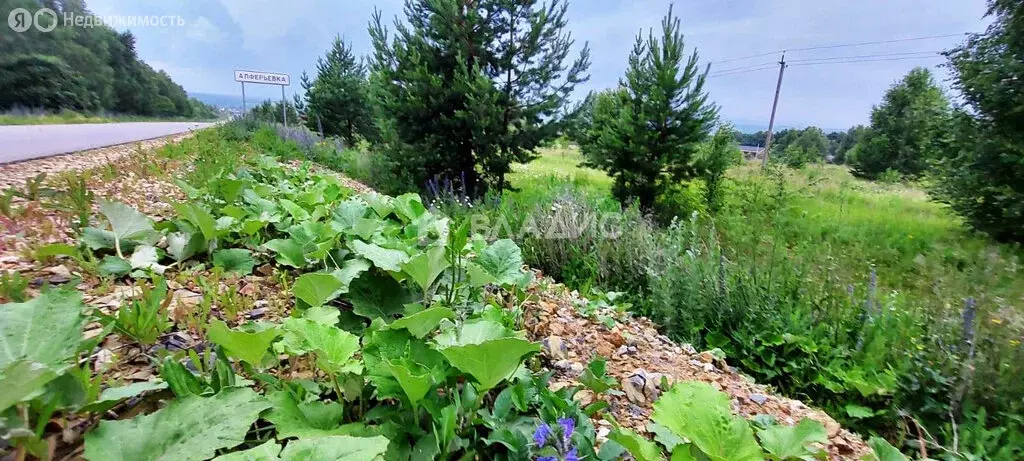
<point x="541" y="435"/>
<point x="547" y="458"/>
<point x="571" y="455"/>
<point x="568" y="426"/>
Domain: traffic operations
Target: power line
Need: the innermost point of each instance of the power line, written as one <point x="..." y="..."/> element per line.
<point x="833" y="58"/>
<point x="718" y="71"/>
<point x="762" y="68"/>
<point x="843" y="45"/>
<point x="865" y="60"/>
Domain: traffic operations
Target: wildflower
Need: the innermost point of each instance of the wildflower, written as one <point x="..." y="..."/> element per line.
<point x="541" y="435"/>
<point x="572" y="455"/>
<point x="568" y="426"/>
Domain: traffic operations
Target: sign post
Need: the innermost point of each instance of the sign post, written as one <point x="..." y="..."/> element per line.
<point x="265" y="78"/>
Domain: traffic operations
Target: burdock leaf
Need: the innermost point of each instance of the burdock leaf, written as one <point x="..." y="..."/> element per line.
<point x="189" y="428"/>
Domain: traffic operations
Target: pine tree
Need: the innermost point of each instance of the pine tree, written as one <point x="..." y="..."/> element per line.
<point x="907" y="128"/>
<point x="465" y="88"/>
<point x="338" y="95"/>
<point x="535" y="83"/>
<point x="645" y="134"/>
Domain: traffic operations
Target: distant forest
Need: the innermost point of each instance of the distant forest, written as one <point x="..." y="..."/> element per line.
<point x="88" y="69"/>
<point x="811" y="142"/>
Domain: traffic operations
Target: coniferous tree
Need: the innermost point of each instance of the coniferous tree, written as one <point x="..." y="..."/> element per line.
<point x="982" y="175"/>
<point x="645" y="133"/>
<point x="338" y="95"/>
<point x="534" y="79"/>
<point x="465" y="88"/>
<point x="907" y="128"/>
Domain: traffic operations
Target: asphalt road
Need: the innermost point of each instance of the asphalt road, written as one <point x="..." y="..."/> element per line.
<point x="25" y="142"/>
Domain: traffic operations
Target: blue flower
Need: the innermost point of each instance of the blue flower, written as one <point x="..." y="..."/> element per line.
<point x="571" y="455"/>
<point x="568" y="426"/>
<point x="541" y="435"/>
<point x="547" y="458"/>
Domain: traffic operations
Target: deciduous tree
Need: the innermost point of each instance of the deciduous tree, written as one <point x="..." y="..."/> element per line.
<point x="982" y="175"/>
<point x="907" y="129"/>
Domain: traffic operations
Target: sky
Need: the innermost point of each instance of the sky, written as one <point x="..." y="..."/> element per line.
<point x="219" y="36"/>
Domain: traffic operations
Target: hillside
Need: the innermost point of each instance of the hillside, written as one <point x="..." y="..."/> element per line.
<point x="94" y="70"/>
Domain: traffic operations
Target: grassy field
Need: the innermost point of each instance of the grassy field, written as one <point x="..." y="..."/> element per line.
<point x="917" y="246"/>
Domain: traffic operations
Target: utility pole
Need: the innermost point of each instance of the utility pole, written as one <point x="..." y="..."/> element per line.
<point x="775" y="105"/>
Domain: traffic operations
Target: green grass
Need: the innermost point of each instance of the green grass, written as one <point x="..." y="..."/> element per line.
<point x="834" y="290"/>
<point x="71" y="117"/>
<point x="919" y="247"/>
<point x="563" y="165"/>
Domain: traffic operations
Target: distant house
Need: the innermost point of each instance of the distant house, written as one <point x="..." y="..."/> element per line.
<point x="751" y="152"/>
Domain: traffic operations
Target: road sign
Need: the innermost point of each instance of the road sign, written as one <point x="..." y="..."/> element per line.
<point x="267" y="78"/>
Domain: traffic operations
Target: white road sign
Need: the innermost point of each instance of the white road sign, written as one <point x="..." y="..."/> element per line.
<point x="269" y="78"/>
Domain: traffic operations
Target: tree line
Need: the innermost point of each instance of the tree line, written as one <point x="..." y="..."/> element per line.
<point x="88" y="69"/>
<point x="462" y="93"/>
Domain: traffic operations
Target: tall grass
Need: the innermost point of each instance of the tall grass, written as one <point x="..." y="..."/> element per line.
<point x="845" y="293"/>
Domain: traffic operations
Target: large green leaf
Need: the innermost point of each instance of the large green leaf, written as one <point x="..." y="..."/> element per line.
<point x="700" y="413"/>
<point x="112" y="265"/>
<point x="374" y="295"/>
<point x="641" y="448"/>
<point x="114" y="395"/>
<point x="381" y="204"/>
<point x="126" y="222"/>
<point x="317" y="288"/>
<point x="197" y="216"/>
<point x="473" y="332"/>
<point x="882" y="451"/>
<point x="289" y="252"/>
<point x="784" y="442"/>
<point x="45" y="330"/>
<point x="487" y="360"/>
<point x="23" y="380"/>
<point x="249" y="347"/>
<point x="184" y="245"/>
<point x="348" y="213"/>
<point x="409" y="206"/>
<point x="336" y="448"/>
<point x="414" y="380"/>
<point x="384" y="258"/>
<point x="190" y="428"/>
<point x="423" y="322"/>
<point x="504" y="260"/>
<point x="334" y="348"/>
<point x="292" y="418"/>
<point x="98" y="239"/>
<point x="266" y="452"/>
<point x="238" y="260"/>
<point x="426" y="266"/>
<point x="146" y="257"/>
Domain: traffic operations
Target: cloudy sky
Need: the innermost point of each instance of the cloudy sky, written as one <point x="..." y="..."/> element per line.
<point x="219" y="36"/>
